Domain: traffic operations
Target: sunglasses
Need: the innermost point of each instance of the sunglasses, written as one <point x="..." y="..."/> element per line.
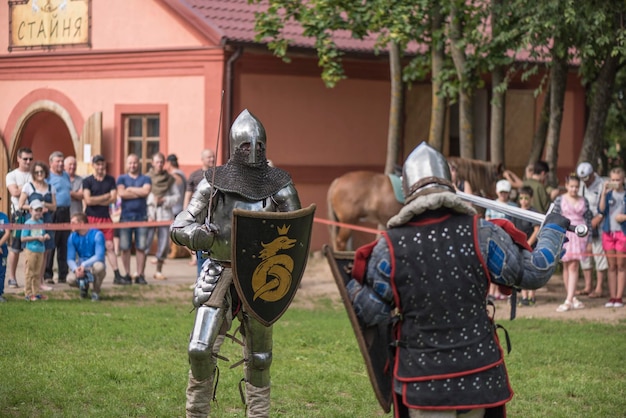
<point x="39" y="172"/>
<point x="27" y="159"/>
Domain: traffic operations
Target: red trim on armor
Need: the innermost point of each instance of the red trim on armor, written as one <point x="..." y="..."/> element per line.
<point x="449" y="375"/>
<point x="452" y="408"/>
<point x="392" y="280"/>
<point x="480" y="254"/>
<point x="430" y="220"/>
<point x="518" y="237"/>
<point x="396" y="332"/>
<point x="359" y="267"/>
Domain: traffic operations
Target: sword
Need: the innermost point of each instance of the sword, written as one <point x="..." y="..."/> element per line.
<point x="207" y="221"/>
<point x="519" y="213"/>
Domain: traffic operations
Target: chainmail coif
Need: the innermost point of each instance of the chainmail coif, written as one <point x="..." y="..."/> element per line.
<point x="252" y="181"/>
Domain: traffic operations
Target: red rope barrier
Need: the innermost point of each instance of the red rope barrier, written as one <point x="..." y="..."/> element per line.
<point x="68" y="226"/>
<point x="349" y="226"/>
<point x="149" y="224"/>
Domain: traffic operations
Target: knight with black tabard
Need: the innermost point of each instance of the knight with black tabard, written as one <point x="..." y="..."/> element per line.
<point x="428" y="277"/>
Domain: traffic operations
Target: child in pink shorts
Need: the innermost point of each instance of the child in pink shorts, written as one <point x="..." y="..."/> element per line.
<point x="612" y="206"/>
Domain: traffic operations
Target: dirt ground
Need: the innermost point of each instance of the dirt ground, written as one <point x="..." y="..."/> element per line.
<point x="318" y="283"/>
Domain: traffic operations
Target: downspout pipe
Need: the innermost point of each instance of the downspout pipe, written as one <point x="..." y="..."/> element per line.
<point x="228" y="106"/>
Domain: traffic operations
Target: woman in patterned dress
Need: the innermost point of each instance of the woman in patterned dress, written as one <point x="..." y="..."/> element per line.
<point x="576" y="209"/>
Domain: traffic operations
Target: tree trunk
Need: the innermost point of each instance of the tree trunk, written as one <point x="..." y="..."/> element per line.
<point x="438" y="108"/>
<point x="466" y="110"/>
<point x="600" y="102"/>
<point x="497" y="116"/>
<point x="466" y="125"/>
<point x="558" y="83"/>
<point x="539" y="139"/>
<point x="498" y="95"/>
<point x="395" y="109"/>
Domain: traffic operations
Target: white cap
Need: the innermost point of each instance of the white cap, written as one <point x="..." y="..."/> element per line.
<point x="503" y="186"/>
<point x="36" y="204"/>
<point x="584" y="170"/>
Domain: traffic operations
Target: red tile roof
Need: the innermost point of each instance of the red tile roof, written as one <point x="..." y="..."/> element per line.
<point x="233" y="22"/>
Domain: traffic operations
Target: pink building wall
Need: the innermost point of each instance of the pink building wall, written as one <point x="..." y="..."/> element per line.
<point x="146" y="69"/>
<point x="145" y="56"/>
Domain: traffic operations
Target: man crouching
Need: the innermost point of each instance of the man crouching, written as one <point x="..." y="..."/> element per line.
<point x="85" y="257"/>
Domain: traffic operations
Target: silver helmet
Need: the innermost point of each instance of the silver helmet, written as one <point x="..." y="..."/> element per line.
<point x="425" y="170"/>
<point x="247" y="130"/>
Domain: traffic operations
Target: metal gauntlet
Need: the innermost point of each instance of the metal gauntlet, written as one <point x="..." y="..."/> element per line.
<point x="189" y="229"/>
<point x="186" y="232"/>
<point x="206" y="282"/>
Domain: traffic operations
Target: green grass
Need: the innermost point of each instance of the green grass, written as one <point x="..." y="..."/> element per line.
<point x="69" y="358"/>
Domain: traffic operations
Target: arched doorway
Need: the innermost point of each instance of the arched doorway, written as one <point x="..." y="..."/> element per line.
<point x="44" y="126"/>
<point x="45" y="132"/>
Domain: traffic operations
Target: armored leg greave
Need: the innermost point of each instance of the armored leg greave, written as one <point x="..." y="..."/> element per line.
<point x="258" y="359"/>
<point x="258" y="351"/>
<point x="200" y="392"/>
<point x="203" y="364"/>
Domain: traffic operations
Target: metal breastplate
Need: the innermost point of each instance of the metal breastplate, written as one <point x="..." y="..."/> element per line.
<point x="285" y="200"/>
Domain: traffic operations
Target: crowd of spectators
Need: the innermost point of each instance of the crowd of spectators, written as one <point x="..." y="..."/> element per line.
<point x="53" y="193"/>
<point x="599" y="203"/>
<point x="163" y="192"/>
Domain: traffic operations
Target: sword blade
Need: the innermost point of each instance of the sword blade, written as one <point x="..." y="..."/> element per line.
<point x="515" y="212"/>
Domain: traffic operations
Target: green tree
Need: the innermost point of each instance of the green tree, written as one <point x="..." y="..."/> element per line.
<point x="456" y="49"/>
<point x="600" y="47"/>
<point x="549" y="28"/>
<point x="459" y="43"/>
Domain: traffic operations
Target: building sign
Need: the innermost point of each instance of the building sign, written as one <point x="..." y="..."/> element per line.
<point x="49" y="23"/>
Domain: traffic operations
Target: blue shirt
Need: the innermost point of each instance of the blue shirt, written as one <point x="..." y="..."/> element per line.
<point x="63" y="185"/>
<point x="85" y="250"/>
<point x="4" y="219"/>
<point x="34" y="246"/>
<point x="608" y="203"/>
<point x="496" y="214"/>
<point x="134" y="209"/>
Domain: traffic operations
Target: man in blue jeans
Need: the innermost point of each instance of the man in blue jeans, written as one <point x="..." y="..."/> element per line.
<point x="60" y="180"/>
<point x="4" y="252"/>
<point x="133" y="188"/>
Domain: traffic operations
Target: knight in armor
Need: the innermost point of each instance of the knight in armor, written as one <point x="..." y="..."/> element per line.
<point x="429" y="276"/>
<point x="246" y="181"/>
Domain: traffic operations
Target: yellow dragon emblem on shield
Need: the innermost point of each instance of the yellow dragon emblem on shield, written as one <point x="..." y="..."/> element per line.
<point x="272" y="277"/>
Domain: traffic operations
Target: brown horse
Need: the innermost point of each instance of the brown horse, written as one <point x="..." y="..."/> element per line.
<point x="359" y="196"/>
<point x="481" y="175"/>
<point x="367" y="196"/>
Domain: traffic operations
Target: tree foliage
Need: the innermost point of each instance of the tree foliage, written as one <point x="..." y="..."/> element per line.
<point x="456" y="43"/>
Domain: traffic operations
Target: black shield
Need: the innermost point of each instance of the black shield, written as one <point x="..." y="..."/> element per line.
<point x="269" y="254"/>
<point x="373" y="341"/>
